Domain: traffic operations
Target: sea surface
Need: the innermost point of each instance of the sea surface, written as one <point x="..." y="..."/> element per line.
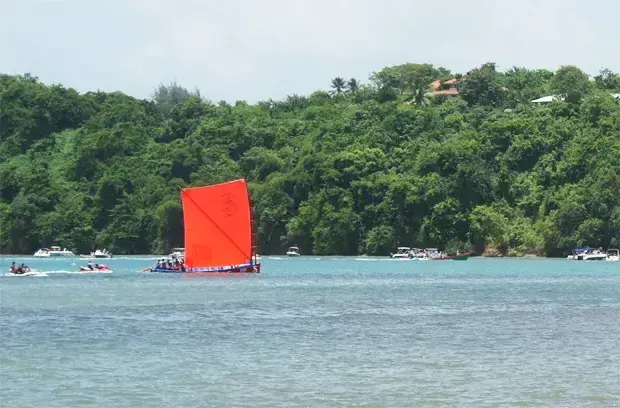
<point x="313" y="332"/>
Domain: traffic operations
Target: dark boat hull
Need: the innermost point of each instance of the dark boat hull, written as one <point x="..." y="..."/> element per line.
<point x="459" y="257"/>
<point x="206" y="271"/>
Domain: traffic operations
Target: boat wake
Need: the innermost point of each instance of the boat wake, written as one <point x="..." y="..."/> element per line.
<point x="64" y="272"/>
<point x="91" y="272"/>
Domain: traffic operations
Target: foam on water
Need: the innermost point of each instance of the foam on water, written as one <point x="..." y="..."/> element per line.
<point x="27" y="274"/>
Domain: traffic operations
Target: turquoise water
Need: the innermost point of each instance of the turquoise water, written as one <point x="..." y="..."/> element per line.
<point x="313" y="332"/>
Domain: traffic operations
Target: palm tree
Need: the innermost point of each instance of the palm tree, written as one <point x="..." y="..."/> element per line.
<point x="417" y="94"/>
<point x="338" y="84"/>
<point x="353" y="85"/>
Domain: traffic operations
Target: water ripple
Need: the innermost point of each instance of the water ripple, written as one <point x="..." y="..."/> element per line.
<point x="324" y="333"/>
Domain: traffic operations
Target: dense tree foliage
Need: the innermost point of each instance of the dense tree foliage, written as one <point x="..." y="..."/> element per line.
<point x="360" y="168"/>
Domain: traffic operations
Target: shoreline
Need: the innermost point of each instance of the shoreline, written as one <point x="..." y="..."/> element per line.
<point x="86" y="256"/>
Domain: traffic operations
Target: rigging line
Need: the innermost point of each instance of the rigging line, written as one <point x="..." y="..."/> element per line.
<point x="218" y="227"/>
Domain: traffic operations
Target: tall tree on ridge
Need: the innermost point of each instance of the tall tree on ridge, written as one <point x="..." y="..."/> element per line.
<point x="338" y="85"/>
<point x="353" y="85"/>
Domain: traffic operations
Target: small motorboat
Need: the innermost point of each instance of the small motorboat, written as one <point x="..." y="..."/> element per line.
<point x="101" y="254"/>
<point x="403" y="253"/>
<point x="457" y="257"/>
<point x="54" y="251"/>
<point x="293" y="251"/>
<point x="96" y="268"/>
<point x="177" y="253"/>
<point x="588" y="254"/>
<point x="613" y="255"/>
<point x="576" y="252"/>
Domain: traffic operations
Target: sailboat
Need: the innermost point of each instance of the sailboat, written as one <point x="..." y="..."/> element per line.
<point x="219" y="230"/>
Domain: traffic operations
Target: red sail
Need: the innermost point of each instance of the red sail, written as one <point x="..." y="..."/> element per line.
<point x="218" y="229"/>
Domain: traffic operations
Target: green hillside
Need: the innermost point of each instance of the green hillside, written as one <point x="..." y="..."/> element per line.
<point x="360" y="168"/>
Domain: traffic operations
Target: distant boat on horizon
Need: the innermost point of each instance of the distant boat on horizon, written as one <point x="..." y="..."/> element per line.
<point x="293" y="251"/>
<point x="53" y="251"/>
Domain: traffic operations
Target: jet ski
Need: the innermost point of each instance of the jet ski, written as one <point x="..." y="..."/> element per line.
<point x="26" y="272"/>
<point x="95" y="268"/>
<point x="31" y="273"/>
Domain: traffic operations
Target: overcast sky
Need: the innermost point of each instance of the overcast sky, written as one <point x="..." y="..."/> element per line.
<point x="254" y="50"/>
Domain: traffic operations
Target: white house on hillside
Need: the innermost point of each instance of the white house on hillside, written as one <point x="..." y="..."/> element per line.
<point x="547" y="99"/>
<point x="551" y="98"/>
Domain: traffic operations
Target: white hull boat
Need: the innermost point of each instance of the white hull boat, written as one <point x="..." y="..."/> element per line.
<point x="52" y="252"/>
<point x="613" y="255"/>
<point x="414" y="254"/>
<point x="593" y="257"/>
<point x="293" y="251"/>
<point x="177" y="253"/>
<point x="588" y="254"/>
<point x="402" y="253"/>
<point x="601" y="257"/>
<point x="101" y="254"/>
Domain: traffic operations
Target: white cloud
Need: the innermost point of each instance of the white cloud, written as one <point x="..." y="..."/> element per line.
<point x="253" y="50"/>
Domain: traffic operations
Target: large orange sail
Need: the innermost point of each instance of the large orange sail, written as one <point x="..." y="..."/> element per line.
<point x="218" y="230"/>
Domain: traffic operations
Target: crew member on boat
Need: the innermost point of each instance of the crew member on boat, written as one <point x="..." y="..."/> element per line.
<point x="176" y="264"/>
<point x="90" y="265"/>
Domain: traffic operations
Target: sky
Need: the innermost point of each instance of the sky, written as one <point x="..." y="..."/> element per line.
<point x="254" y="50"/>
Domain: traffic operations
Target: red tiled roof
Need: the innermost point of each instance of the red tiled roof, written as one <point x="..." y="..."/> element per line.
<point x="453" y="81"/>
<point x="436" y="84"/>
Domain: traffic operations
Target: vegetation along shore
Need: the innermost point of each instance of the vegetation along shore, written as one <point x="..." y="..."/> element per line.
<point x="512" y="163"/>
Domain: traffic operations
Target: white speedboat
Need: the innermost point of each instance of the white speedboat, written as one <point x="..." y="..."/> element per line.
<point x="613" y="255"/>
<point x="293" y="251"/>
<point x="588" y="254"/>
<point x="52" y="252"/>
<point x="177" y="253"/>
<point x="402" y="253"/>
<point x="576" y="252"/>
<point x="101" y="254"/>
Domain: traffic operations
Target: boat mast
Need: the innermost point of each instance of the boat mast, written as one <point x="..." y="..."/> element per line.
<point x="253" y="226"/>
